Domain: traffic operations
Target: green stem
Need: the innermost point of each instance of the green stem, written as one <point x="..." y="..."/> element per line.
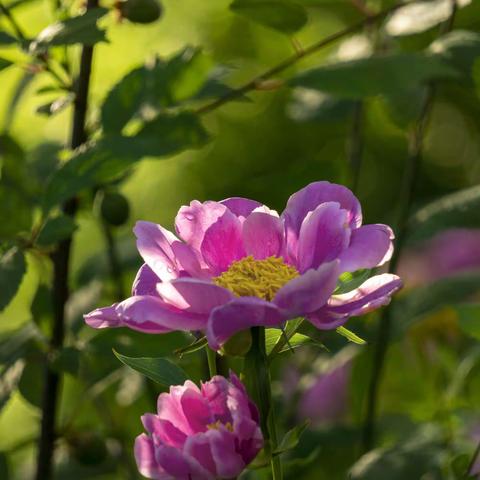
<point x="212" y="362"/>
<point x="259" y="387"/>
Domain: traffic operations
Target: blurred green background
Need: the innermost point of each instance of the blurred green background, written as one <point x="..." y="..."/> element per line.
<point x="266" y="147"/>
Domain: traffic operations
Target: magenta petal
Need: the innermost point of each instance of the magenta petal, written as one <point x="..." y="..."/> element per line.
<point x="310" y="197"/>
<point x="223" y="243"/>
<point x="194" y="220"/>
<point x="155" y="246"/>
<point x="240" y="314"/>
<point x="263" y="235"/>
<point x="179" y="465"/>
<point x="324" y="319"/>
<point x="198" y="447"/>
<point x="103" y="317"/>
<point x="241" y="207"/>
<point x="163" y="430"/>
<point x="229" y="464"/>
<point x="145" y="282"/>
<point x="152" y="315"/>
<point x="192" y="295"/>
<point x="323" y="236"/>
<point x="308" y="292"/>
<point x="370" y="246"/>
<point x="196" y="410"/>
<point x="145" y="458"/>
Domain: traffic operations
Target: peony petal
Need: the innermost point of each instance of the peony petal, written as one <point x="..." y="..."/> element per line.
<point x="192" y="295"/>
<point x="263" y="235"/>
<point x="370" y="246"/>
<point x="222" y="243"/>
<point x="308" y="292"/>
<point x="152" y="315"/>
<point x="371" y="294"/>
<point x="145" y="457"/>
<point x="241" y="207"/>
<point x="178" y="465"/>
<point x="145" y="282"/>
<point x="308" y="199"/>
<point x="323" y="236"/>
<point x="155" y="246"/>
<point x="229" y="464"/>
<point x="103" y="317"/>
<point x="194" y="220"/>
<point x="196" y="410"/>
<point x="198" y="447"/>
<point x="163" y="430"/>
<point x="240" y="314"/>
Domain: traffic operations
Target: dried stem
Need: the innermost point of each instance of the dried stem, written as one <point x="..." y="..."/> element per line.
<point x="404" y="206"/>
<point x="60" y="292"/>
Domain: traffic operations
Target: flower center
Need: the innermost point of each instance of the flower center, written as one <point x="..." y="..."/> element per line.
<point x="216" y="426"/>
<point x="256" y="278"/>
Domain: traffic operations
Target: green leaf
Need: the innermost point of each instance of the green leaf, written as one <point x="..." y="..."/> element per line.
<point x="160" y="370"/>
<point x="458" y="210"/>
<point x="82" y="29"/>
<point x="291" y="438"/>
<point x="350" y="336"/>
<point x="56" y="106"/>
<point x="7" y="39"/>
<point x="459" y="48"/>
<point x="4" y="470"/>
<point x="350" y="281"/>
<point x="55" y="230"/>
<point x="12" y="270"/>
<point x="418" y="17"/>
<point x="197" y="345"/>
<point x="4" y="63"/>
<point x="282" y="337"/>
<point x="67" y="360"/>
<point x="113" y="155"/>
<point x="469" y="319"/>
<point x="422" y="300"/>
<point x="9" y="377"/>
<point x="476" y="75"/>
<point x="385" y="74"/>
<point x="273" y="337"/>
<point x="282" y="15"/>
<point x="158" y="85"/>
<point x="31" y="382"/>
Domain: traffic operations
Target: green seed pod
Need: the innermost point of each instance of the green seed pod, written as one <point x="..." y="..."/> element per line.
<point x="140" y="11"/>
<point x="238" y="345"/>
<point x="114" y="208"/>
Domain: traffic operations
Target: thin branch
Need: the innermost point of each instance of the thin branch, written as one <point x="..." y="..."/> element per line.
<point x="15" y="26"/>
<point x="60" y="292"/>
<point x="256" y="82"/>
<point x="404" y="207"/>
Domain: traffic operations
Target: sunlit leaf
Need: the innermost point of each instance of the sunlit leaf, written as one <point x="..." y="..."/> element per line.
<point x="282" y="15"/>
<point x="55" y="230"/>
<point x="350" y="336"/>
<point x="160" y="370"/>
<point x="291" y="438"/>
<point x="82" y="29"/>
<point x="383" y="74"/>
<point x="457" y="210"/>
<point x="420" y="16"/>
<point x="349" y="281"/>
<point x="4" y="63"/>
<point x="12" y="270"/>
<point x="274" y="335"/>
<point x="7" y="39"/>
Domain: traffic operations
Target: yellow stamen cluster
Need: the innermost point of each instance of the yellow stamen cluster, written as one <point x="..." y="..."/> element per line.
<point x="256" y="278"/>
<point x="216" y="425"/>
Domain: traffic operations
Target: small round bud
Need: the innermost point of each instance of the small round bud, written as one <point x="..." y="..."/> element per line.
<point x="140" y="11"/>
<point x="114" y="208"/>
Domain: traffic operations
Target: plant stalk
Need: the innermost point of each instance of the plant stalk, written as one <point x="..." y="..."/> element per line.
<point x="212" y="361"/>
<point x="60" y="291"/>
<point x="258" y="383"/>
<point x="409" y="182"/>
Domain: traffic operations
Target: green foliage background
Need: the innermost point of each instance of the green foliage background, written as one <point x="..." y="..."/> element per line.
<point x="265" y="145"/>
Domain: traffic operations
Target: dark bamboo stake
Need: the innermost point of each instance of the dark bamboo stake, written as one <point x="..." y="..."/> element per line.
<point x="60" y="258"/>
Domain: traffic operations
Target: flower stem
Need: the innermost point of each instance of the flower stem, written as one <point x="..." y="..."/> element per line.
<point x="258" y="384"/>
<point x="212" y="362"/>
<point x="60" y="291"/>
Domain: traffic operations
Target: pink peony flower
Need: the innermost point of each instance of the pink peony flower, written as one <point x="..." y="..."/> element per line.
<point x="239" y="264"/>
<point x="200" y="433"/>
